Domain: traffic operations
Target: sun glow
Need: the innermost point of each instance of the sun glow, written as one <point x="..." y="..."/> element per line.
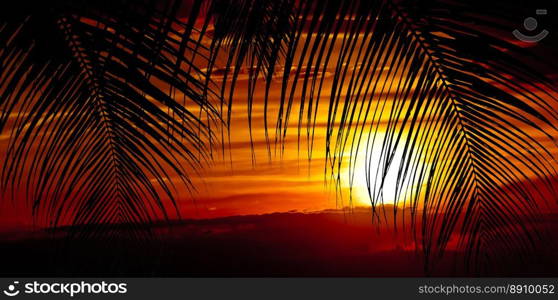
<point x="382" y="173"/>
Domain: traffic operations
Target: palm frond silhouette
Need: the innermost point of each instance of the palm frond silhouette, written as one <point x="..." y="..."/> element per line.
<point x="449" y="103"/>
<point x="92" y="88"/>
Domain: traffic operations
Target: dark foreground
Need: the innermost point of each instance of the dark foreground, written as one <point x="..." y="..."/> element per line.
<point x="276" y="245"/>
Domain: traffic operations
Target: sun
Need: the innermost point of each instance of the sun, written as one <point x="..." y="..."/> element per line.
<point x="382" y="173"/>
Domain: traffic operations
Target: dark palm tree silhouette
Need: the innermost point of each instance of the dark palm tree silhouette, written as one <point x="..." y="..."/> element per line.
<point x="88" y="98"/>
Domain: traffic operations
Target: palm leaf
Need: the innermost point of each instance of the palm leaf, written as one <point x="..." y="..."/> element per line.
<point x="98" y="134"/>
<point x="427" y="90"/>
<point x="432" y="94"/>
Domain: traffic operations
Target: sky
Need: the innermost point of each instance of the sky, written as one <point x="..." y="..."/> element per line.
<point x="281" y="178"/>
<point x="243" y="181"/>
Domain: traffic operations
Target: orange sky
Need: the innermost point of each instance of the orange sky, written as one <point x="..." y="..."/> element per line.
<point x="283" y="183"/>
<point x="289" y="182"/>
<point x="236" y="184"/>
